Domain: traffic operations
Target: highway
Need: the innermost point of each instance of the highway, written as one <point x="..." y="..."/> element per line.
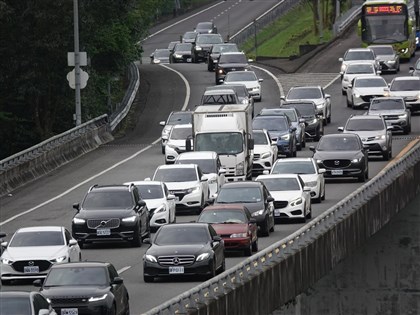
<point x="134" y="156"/>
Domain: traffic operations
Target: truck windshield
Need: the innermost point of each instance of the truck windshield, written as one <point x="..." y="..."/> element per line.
<point x="221" y="142"/>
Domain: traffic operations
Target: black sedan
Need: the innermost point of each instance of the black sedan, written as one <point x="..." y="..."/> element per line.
<point x="256" y="197"/>
<point x="82" y="288"/>
<point x="342" y="155"/>
<point x="24" y="303"/>
<point x="181" y="53"/>
<point x="160" y="56"/>
<point x="183" y="250"/>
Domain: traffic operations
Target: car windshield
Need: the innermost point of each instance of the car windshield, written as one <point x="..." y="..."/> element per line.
<point x="260" y="138"/>
<point x="242" y="76"/>
<point x="207" y="166"/>
<point x="271" y="123"/>
<point x="365" y="125"/>
<point x="289" y="113"/>
<point x="223" y="143"/>
<point x="76" y="276"/>
<point x="180" y="118"/>
<point x="182" y="235"/>
<point x="183" y="47"/>
<point x="190" y="35"/>
<point x="383" y="50"/>
<point x="222" y="216"/>
<point x="112" y="200"/>
<point x="405" y="85"/>
<point x="15" y="306"/>
<point x="239" y="195"/>
<point x="359" y="69"/>
<point x="240" y="90"/>
<point x="204" y="26"/>
<point x="218" y="99"/>
<point x="371" y="82"/>
<point x="181" y="174"/>
<point x="295" y="167"/>
<point x="359" y="55"/>
<point x="344" y="143"/>
<point x="209" y="39"/>
<point x="224" y="48"/>
<point x="38" y="238"/>
<point x="386" y="104"/>
<point x="180" y="133"/>
<point x="236" y="58"/>
<point x="150" y="191"/>
<point x="162" y="53"/>
<point x="304" y="93"/>
<point x="280" y="184"/>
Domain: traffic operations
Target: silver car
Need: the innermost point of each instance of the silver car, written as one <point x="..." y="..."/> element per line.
<point x="362" y="90"/>
<point x="174" y="118"/>
<point x="407" y="87"/>
<point x="389" y="59"/>
<point x="374" y="133"/>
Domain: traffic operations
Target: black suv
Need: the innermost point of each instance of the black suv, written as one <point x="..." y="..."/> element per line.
<point x="314" y="127"/>
<point x="86" y="287"/>
<point x="215" y="52"/>
<point x="230" y="61"/>
<point x="111" y="213"/>
<point x="203" y="44"/>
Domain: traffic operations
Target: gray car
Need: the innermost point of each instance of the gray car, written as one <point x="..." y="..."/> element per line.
<point x="389" y="59"/>
<point x="394" y="111"/>
<point x="373" y="132"/>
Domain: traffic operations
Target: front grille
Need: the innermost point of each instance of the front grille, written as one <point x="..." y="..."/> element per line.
<point x="337" y="163"/>
<point x="368" y="139"/>
<point x="390" y="117"/>
<point x="68" y="300"/>
<point x="103" y="223"/>
<point x="43" y="265"/>
<point x="280" y="204"/>
<point x="229" y="69"/>
<point x="182" y="260"/>
<point x="256" y="156"/>
<point x="367" y="98"/>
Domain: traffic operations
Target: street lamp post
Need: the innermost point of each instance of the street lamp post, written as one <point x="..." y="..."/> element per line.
<point x="77" y="62"/>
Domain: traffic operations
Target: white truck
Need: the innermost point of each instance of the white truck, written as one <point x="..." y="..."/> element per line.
<point x="226" y="130"/>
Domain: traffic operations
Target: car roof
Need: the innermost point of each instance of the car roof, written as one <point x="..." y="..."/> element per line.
<point x="387" y="98"/>
<point x="183" y="225"/>
<point x="49" y="228"/>
<point x="145" y="183"/>
<point x="406" y="78"/>
<point x="240" y="184"/>
<point x="16" y="293"/>
<point x="359" y="49"/>
<point x="109" y="187"/>
<point x="233" y="53"/>
<point x="369" y="77"/>
<point x="182" y="126"/>
<point x="277" y="176"/>
<point x="340" y="135"/>
<point x="172" y="166"/>
<point x="219" y="91"/>
<point x="80" y="264"/>
<point x="364" y="117"/>
<point x="295" y="159"/>
<point x="305" y="87"/>
<point x="229" y="206"/>
<point x="198" y="155"/>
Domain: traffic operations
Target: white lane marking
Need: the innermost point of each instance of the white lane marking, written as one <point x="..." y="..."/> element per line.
<point x="187" y="98"/>
<point x="332" y="81"/>
<point x="274" y="78"/>
<point x="123" y="269"/>
<point x="180" y="21"/>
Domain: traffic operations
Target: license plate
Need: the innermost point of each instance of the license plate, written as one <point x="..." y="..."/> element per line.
<point x="336" y="172"/>
<point x="103" y="232"/>
<point x="188" y="59"/>
<point x="69" y="311"/>
<point x="176" y="270"/>
<point x="30" y="269"/>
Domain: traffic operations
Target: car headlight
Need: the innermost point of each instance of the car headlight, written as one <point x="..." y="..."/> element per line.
<point x="256" y="88"/>
<point x="59" y="259"/>
<point x="380" y="137"/>
<point x="313" y="121"/>
<point x="203" y="256"/>
<point x="257" y="213"/>
<point x="237" y="235"/>
<point x="319" y="161"/>
<point x="240" y="168"/>
<point x="197" y="48"/>
<point x="150" y="258"/>
<point x="79" y="221"/>
<point x="7" y="261"/>
<point x="130" y="219"/>
<point x="357" y="95"/>
<point x="286" y="137"/>
<point x="418" y="96"/>
<point x="311" y="184"/>
<point x="391" y="62"/>
<point x="220" y="71"/>
<point x="403" y="116"/>
<point x="161" y="208"/>
<point x="156" y="60"/>
<point x="356" y="160"/>
<point x="265" y="155"/>
<point x="177" y="55"/>
<point x="97" y="298"/>
<point x="343" y="67"/>
<point x="296" y="202"/>
<point x="193" y="189"/>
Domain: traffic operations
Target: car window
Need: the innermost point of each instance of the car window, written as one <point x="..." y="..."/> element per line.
<point x="112" y="272"/>
<point x="359" y="68"/>
<point x="40" y="303"/>
<point x="183" y="47"/>
<point x="76" y="276"/>
<point x="359" y="55"/>
<point x="278" y="123"/>
<point x="382" y="50"/>
<point x="176" y="175"/>
<point x="365" y="125"/>
<point x="15" y="306"/>
<point x="260" y="138"/>
<point x="180" y="118"/>
<point x="295" y="167"/>
<point x="38" y="238"/>
<point x="180" y="133"/>
<point x="371" y="82"/>
<point x="240" y="76"/>
<point x="236" y="58"/>
<point x="338" y="144"/>
<point x="150" y="191"/>
<point x="212" y="231"/>
<point x="386" y="104"/>
<point x="120" y="199"/>
<point x="304" y="93"/>
<point x="207" y="166"/>
<point x="173" y="235"/>
<point x="218" y="99"/>
<point x="67" y="235"/>
<point x="240" y="194"/>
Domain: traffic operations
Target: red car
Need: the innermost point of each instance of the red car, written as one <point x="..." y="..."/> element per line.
<point x="233" y="222"/>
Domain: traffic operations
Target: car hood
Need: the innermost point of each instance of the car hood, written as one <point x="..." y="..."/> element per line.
<point x="339" y="155"/>
<point x="230" y="228"/>
<point x="178" y="249"/>
<point x="385" y="57"/>
<point x="34" y="252"/>
<point x="182" y="52"/>
<point x="261" y="148"/>
<point x="180" y="144"/>
<point x="181" y="185"/>
<point x="309" y="177"/>
<point x="367" y="134"/>
<point x="104" y="213"/>
<point x="154" y="203"/>
<point x="286" y="194"/>
<point x="369" y="90"/>
<point x="74" y="291"/>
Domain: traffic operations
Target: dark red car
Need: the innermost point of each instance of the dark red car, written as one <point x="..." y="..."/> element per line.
<point x="233" y="222"/>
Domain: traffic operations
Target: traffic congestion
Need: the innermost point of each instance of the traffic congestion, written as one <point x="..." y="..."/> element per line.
<point x="229" y="175"/>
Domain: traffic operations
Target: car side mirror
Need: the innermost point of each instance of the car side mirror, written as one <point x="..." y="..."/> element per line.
<point x="222" y="171"/>
<point x="147" y="241"/>
<point x="390" y="128"/>
<point x="266" y="172"/>
<point x="151" y="55"/>
<point x="293" y="129"/>
<point x="217" y="238"/>
<point x="2" y="235"/>
<point x="171" y="197"/>
<point x="270" y="199"/>
<point x="349" y="86"/>
<point x="204" y="178"/>
<point x="282" y="98"/>
<point x="306" y="188"/>
<point x="322" y="171"/>
<point x="341" y="129"/>
<point x="37" y="283"/>
<point x="327" y="96"/>
<point x="188" y="144"/>
<point x="253" y="221"/>
<point x="366" y="147"/>
<point x="147" y="179"/>
<point x="251" y="144"/>
<point x="4" y="244"/>
<point x="340" y="59"/>
<point x="408" y="106"/>
<point x="76" y="206"/>
<point x="302" y="121"/>
<point x="260" y="80"/>
<point x="250" y="60"/>
<point x="378" y="72"/>
<point x="312" y="148"/>
<point x="117" y="280"/>
<point x="72" y="242"/>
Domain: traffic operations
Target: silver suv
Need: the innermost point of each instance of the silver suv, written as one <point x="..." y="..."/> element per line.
<point x="373" y="132"/>
<point x="394" y="111"/>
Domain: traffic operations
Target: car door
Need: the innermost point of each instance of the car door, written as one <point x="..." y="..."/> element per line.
<point x="74" y="250"/>
<point x="218" y="247"/>
<point x="306" y="195"/>
<point x="116" y="289"/>
<point x="142" y="212"/>
<point x="220" y="175"/>
<point x="170" y="202"/>
<point x="253" y="227"/>
<point x="204" y="184"/>
<point x="269" y="206"/>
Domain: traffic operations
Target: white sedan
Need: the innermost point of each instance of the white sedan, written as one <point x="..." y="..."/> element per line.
<point x="362" y="89"/>
<point x="33" y="250"/>
<point x="265" y="152"/>
<point x="308" y="170"/>
<point x="176" y="142"/>
<point x="249" y="79"/>
<point x="292" y="198"/>
<point x="357" y="69"/>
<point x="159" y="201"/>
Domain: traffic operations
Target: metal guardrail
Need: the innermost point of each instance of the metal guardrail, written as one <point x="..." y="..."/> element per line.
<point x="279" y="251"/>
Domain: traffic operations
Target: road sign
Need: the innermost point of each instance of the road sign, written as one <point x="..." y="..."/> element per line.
<point x="82" y="59"/>
<point x="71" y="77"/>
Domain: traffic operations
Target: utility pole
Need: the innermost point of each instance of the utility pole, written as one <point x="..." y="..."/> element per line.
<point x="255" y="39"/>
<point x="77" y="62"/>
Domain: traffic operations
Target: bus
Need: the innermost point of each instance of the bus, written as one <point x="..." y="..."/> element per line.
<point x="389" y="22"/>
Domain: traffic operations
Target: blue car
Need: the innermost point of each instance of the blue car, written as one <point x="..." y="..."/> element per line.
<point x="281" y="131"/>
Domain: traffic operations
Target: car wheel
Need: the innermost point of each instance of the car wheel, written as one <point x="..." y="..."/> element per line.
<point x="362" y="177"/>
<point x="209" y="67"/>
<point x="80" y="256"/>
<point x="343" y="92"/>
<point x="248" y="250"/>
<point x="329" y="118"/>
<point x="147" y="235"/>
<point x="294" y="153"/>
<point x="406" y="130"/>
<point x="163" y="149"/>
<point x="299" y="146"/>
<point x="127" y="308"/>
<point x="348" y="103"/>
<point x="255" y="245"/>
<point x="319" y="198"/>
<point x="323" y="194"/>
<point x="386" y="155"/>
<point x="136" y="242"/>
<point x="303" y="142"/>
<point x="266" y="229"/>
<point x="148" y="279"/>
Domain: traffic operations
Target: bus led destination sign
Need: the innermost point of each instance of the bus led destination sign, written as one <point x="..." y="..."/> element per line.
<point x="383" y="9"/>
